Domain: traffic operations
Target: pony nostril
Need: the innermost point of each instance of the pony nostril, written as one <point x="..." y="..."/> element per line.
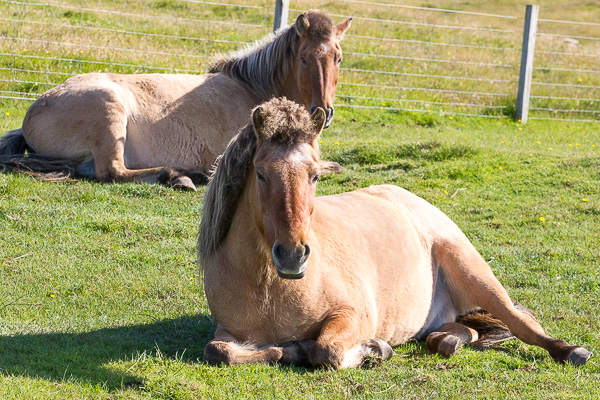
<point x="330" y="112"/>
<point x="306" y="250"/>
<point x="277" y="251"/>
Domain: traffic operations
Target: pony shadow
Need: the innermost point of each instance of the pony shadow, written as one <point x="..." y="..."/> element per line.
<point x="85" y="357"/>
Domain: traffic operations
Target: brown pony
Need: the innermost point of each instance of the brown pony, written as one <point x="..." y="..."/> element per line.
<point x="334" y="280"/>
<point x="160" y="127"/>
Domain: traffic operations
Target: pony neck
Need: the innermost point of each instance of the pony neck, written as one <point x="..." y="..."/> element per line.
<point x="248" y="248"/>
<point x="290" y="88"/>
<point x="264" y="68"/>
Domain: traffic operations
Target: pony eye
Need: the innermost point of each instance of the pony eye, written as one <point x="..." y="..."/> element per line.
<point x="315" y="178"/>
<point x="303" y="60"/>
<point x="260" y="177"/>
<point x="339" y="61"/>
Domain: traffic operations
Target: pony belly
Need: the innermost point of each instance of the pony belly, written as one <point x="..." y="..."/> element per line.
<point x="190" y="131"/>
<point x="442" y="309"/>
<point x="411" y="319"/>
<point x="145" y="149"/>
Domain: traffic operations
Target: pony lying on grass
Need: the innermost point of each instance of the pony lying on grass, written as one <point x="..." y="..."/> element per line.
<point x="337" y="280"/>
<point x="170" y="128"/>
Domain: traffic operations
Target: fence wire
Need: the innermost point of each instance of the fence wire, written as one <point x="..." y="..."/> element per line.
<point x="397" y="58"/>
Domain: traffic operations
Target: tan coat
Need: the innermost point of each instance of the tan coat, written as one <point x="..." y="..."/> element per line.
<point x="171" y="128"/>
<point x="334" y="280"/>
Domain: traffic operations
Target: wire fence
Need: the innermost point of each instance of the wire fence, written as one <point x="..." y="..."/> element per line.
<point x="397" y="58"/>
<point x="459" y="65"/>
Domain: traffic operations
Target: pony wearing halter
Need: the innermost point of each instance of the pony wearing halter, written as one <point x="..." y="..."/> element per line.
<point x="170" y="128"/>
<point x="337" y="280"/>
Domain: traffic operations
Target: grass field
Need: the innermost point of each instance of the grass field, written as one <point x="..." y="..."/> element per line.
<point x="101" y="297"/>
<point x="396" y="58"/>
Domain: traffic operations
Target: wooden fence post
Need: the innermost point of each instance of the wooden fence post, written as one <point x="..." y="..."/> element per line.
<point x="282" y="8"/>
<point x="527" y="50"/>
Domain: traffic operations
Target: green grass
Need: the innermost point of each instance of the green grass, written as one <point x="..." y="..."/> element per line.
<point x="98" y="299"/>
<point x="101" y="297"/>
<point x="473" y="71"/>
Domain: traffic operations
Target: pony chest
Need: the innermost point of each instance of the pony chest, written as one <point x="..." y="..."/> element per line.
<point x="265" y="313"/>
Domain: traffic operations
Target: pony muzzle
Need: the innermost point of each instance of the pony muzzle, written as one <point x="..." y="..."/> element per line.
<point x="290" y="264"/>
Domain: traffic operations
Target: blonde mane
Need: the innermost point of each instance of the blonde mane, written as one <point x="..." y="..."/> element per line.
<point x="224" y="191"/>
<point x="264" y="65"/>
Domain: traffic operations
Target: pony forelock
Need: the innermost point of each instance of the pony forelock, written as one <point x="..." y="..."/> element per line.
<point x="286" y="122"/>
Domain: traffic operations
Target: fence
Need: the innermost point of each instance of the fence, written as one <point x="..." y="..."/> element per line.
<point x="397" y="58"/>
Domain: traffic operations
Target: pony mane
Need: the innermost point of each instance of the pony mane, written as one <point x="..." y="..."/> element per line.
<point x="264" y="65"/>
<point x="285" y="123"/>
<point x="224" y="191"/>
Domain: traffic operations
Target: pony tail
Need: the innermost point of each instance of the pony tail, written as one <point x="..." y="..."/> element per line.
<point x="13" y="143"/>
<point x="13" y="159"/>
<point x="491" y="330"/>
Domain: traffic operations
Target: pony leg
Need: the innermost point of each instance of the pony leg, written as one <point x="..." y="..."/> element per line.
<point x="234" y="353"/>
<point x="110" y="165"/>
<point x="224" y="349"/>
<point x="449" y="338"/>
<point x="339" y="344"/>
<point x="474" y="283"/>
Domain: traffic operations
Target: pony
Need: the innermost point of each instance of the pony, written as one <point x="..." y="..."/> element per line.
<point x="170" y="128"/>
<point x="338" y="280"/>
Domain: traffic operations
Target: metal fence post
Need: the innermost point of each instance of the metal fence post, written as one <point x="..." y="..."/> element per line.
<point x="527" y="50"/>
<point x="282" y="8"/>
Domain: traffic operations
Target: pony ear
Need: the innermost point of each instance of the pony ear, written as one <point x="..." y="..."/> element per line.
<point x="342" y="27"/>
<point x="302" y="24"/>
<point x="318" y="118"/>
<point x="330" y="167"/>
<point x="258" y="121"/>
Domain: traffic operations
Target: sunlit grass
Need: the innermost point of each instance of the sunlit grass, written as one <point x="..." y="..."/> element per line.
<point x="99" y="300"/>
<point x="101" y="297"/>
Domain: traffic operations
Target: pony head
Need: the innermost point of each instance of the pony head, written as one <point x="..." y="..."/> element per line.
<point x="318" y="61"/>
<point x="287" y="169"/>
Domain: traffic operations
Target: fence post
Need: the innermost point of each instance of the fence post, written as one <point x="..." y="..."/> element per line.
<point x="527" y="50"/>
<point x="282" y="8"/>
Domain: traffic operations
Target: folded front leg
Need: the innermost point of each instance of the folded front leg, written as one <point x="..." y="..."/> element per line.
<point x="343" y="344"/>
<point x="231" y="353"/>
<point x="226" y="349"/>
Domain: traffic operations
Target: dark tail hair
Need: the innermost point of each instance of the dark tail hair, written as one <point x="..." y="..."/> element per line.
<point x="13" y="159"/>
<point x="491" y="330"/>
<point x="13" y="143"/>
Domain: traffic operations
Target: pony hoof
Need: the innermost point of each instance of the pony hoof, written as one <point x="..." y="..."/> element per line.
<point x="184" y="183"/>
<point x="443" y="343"/>
<point x="198" y="177"/>
<point x="297" y="352"/>
<point x="380" y="348"/>
<point x="449" y="345"/>
<point x="375" y="352"/>
<point x="579" y="356"/>
<point x="217" y="353"/>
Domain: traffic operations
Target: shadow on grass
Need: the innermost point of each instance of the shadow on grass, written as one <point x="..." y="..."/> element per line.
<point x="84" y="357"/>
